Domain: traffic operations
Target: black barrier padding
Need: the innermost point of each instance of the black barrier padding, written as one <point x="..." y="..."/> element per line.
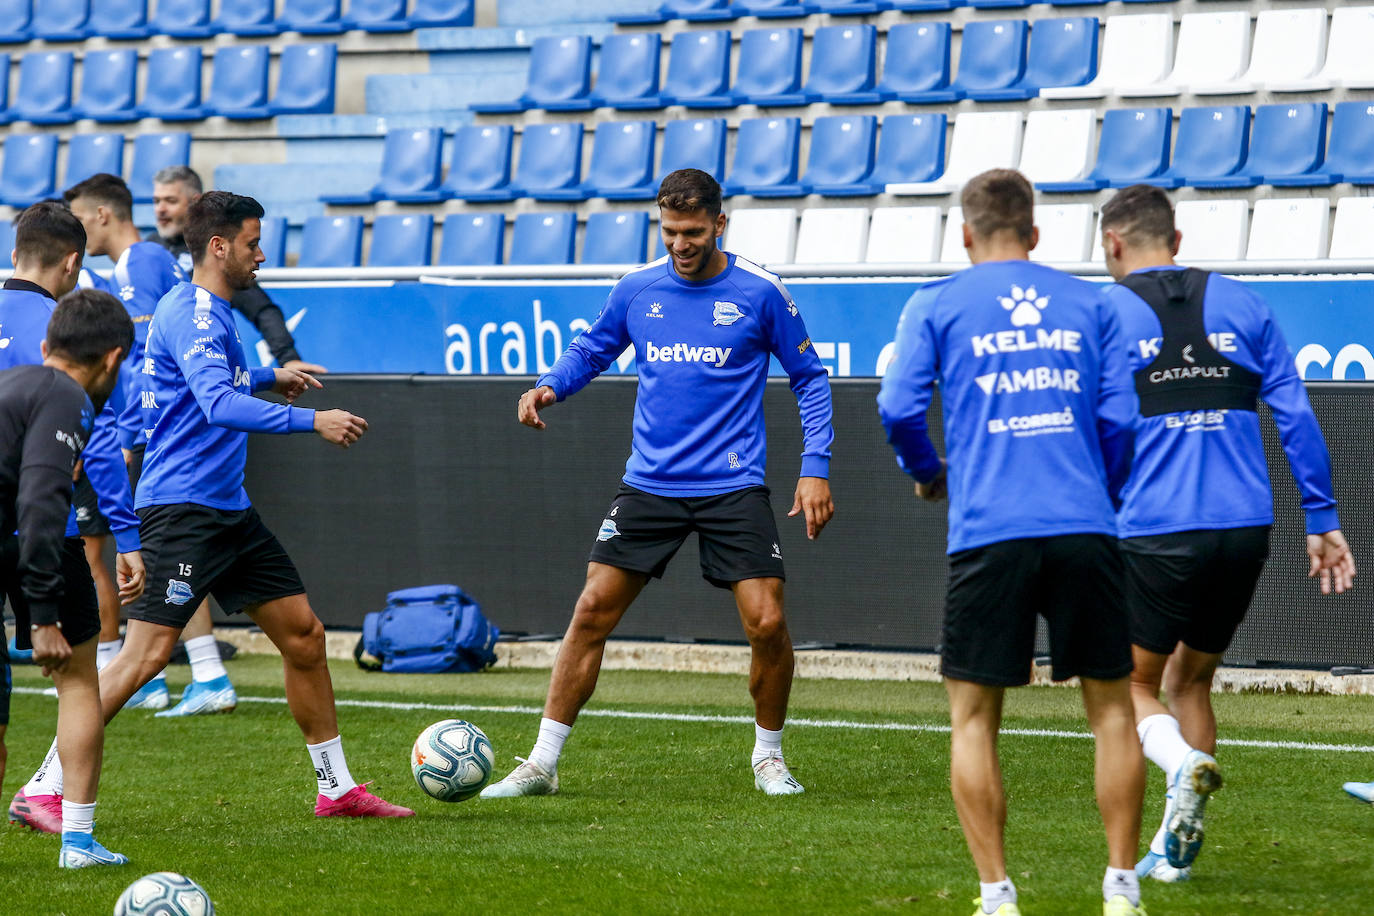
<point x="447" y="487"/>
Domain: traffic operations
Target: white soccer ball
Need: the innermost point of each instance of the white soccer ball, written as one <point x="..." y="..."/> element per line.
<point x="164" y="893"/>
<point x="452" y="760"/>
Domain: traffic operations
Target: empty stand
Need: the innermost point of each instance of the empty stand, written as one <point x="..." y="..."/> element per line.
<point x="90" y="154"/>
<point x="410" y="166"/>
<point x="1136" y="51"/>
<point x="904" y="235"/>
<point x="247" y="17"/>
<point x="1212" y="143"/>
<point x="479" y="168"/>
<point x="550" y="159"/>
<point x="832" y="236"/>
<point x="1288" y="50"/>
<point x="559" y="77"/>
<point x="770" y="67"/>
<point x="1134" y="146"/>
<point x="1058" y="144"/>
<point x="16" y="20"/>
<point x="1287" y="142"/>
<point x="982" y="141"/>
<point x="62" y="20"/>
<point x="428" y="14"/>
<point x="312" y="17"/>
<point x="401" y="240"/>
<point x="543" y="238"/>
<point x="628" y="69"/>
<point x="696" y="144"/>
<point x="1213" y="50"/>
<point x="1062" y="52"/>
<point x="29" y="169"/>
<point x="616" y="238"/>
<point x="172" y="90"/>
<point x="844" y="65"/>
<point x="1213" y="230"/>
<point x="622" y="161"/>
<point x="120" y="18"/>
<point x="273" y="241"/>
<point x="331" y="241"/>
<point x="472" y="239"/>
<point x="952" y="250"/>
<point x="183" y="18"/>
<point x="992" y="56"/>
<point x="764" y="236"/>
<point x="152" y="154"/>
<point x="766" y="154"/>
<point x="377" y="15"/>
<point x="771" y="8"/>
<point x="1066" y="233"/>
<point x="1350" y="237"/>
<point x="238" y="87"/>
<point x="6" y="244"/>
<point x="1350" y="156"/>
<point x="1348" y="61"/>
<point x="911" y="148"/>
<point x="45" y="88"/>
<point x="108" y="80"/>
<point x="305" y="81"/>
<point x="698" y="67"/>
<point x="1289" y="230"/>
<point x="842" y="154"/>
<point x="916" y="63"/>
<point x="678" y="9"/>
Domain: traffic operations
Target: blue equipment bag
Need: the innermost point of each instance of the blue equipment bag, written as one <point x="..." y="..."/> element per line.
<point x="434" y="628"/>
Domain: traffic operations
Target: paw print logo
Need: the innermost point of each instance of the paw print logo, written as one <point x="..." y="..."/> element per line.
<point x="202" y="322"/>
<point x="1025" y="306"/>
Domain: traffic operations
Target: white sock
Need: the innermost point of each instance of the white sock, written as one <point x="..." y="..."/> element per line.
<point x="160" y="676"/>
<point x="47" y="779"/>
<point x="331" y="770"/>
<point x="996" y="894"/>
<point x="767" y="743"/>
<point x="206" y="665"/>
<point x="1121" y="882"/>
<point x="77" y="818"/>
<point x="549" y="746"/>
<point x="1163" y="743"/>
<point x="106" y="651"/>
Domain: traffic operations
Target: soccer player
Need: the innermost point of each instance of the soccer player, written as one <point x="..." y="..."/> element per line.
<point x="46" y="419"/>
<point x="1197" y="509"/>
<point x="202" y="535"/>
<point x="1038" y="415"/>
<point x="703" y="323"/>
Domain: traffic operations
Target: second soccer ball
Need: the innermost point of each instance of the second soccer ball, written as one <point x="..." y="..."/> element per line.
<point x="452" y="760"/>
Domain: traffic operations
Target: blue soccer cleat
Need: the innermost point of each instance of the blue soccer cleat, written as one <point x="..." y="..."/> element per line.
<point x="1364" y="791"/>
<point x="1198" y="777"/>
<point x="80" y="850"/>
<point x="152" y="695"/>
<point x="1157" y="867"/>
<point x="205" y="698"/>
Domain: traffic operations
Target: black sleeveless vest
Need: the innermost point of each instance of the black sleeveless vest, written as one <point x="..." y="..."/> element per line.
<point x="1189" y="373"/>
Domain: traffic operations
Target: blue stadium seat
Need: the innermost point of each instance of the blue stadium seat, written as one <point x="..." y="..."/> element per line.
<point x="686" y="145"/>
<point x="925" y="6"/>
<point x="120" y="18"/>
<point x="479" y="168"/>
<point x="992" y="55"/>
<point x="377" y="16"/>
<point x="1286" y="142"/>
<point x="844" y="65"/>
<point x="273" y="241"/>
<point x="16" y="20"/>
<point x="5" y="115"/>
<point x="312" y="17"/>
<point x="1133" y="146"/>
<point x="1063" y="52"/>
<point x="916" y="64"/>
<point x="766" y="152"/>
<point x="628" y="68"/>
<point x="543" y="238"/>
<point x="152" y="154"/>
<point x="1350" y="155"/>
<point x="30" y="167"/>
<point x="91" y="154"/>
<point x="402" y="240"/>
<point x="1212" y="143"/>
<point x="108" y="79"/>
<point x="697" y="10"/>
<point x="332" y="241"/>
<point x="61" y="20"/>
<point x="183" y="19"/>
<point x="560" y="77"/>
<point x="622" y="160"/>
<point x="616" y="238"/>
<point x="428" y="14"/>
<point x="305" y="80"/>
<point x="247" y="17"/>
<point x="45" y="88"/>
<point x="472" y="239"/>
<point x="172" y="89"/>
<point x="852" y="7"/>
<point x="772" y="9"/>
<point x="698" y="66"/>
<point x="411" y="159"/>
<point x="911" y="148"/>
<point x="770" y="66"/>
<point x="6" y="244"/>
<point x="238" y="86"/>
<point x="1000" y="4"/>
<point x="842" y="149"/>
<point x="550" y="159"/>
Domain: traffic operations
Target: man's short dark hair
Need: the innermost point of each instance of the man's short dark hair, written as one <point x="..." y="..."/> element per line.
<point x="1142" y="214"/>
<point x="105" y="190"/>
<point x="687" y="190"/>
<point x="999" y="200"/>
<point x="87" y="324"/>
<point x="180" y="174"/>
<point x="217" y="213"/>
<point x="46" y="233"/>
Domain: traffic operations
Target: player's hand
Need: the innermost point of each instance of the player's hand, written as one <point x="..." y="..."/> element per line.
<point x="339" y="427"/>
<point x="813" y="498"/>
<point x="1332" y="562"/>
<point x="292" y="383"/>
<point x="533" y="401"/>
<point x="301" y="365"/>
<point x="128" y="457"/>
<point x="130" y="576"/>
<point x="936" y="489"/>
<point x="50" y="648"/>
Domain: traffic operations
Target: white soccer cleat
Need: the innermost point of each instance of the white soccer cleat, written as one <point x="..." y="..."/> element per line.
<point x="772" y="776"/>
<point x="204" y="698"/>
<point x="1198" y="777"/>
<point x="526" y="779"/>
<point x="1157" y="868"/>
<point x="1364" y="791"/>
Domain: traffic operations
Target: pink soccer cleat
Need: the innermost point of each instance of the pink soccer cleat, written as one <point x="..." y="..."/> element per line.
<point x="358" y="802"/>
<point x="37" y="812"/>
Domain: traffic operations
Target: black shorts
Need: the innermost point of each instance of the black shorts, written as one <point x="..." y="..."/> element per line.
<point x="736" y="534"/>
<point x="192" y="552"/>
<point x="996" y="592"/>
<point x="89" y="520"/>
<point x="79" y="612"/>
<point x="1192" y="587"/>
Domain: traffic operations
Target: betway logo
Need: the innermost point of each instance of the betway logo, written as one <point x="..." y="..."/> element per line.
<point x="1020" y="340"/>
<point x="682" y="353"/>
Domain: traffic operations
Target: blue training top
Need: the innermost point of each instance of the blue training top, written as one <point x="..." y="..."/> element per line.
<point x="1038" y="404"/>
<point x="197" y="404"/>
<point x="702" y="354"/>
<point x="144" y="273"/>
<point x="1206" y="469"/>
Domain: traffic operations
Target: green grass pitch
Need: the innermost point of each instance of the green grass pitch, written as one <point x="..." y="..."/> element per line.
<point x="660" y="816"/>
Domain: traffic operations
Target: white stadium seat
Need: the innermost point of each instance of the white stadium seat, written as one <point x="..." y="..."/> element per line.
<point x="953" y="250"/>
<point x="1098" y="256"/>
<point x="1213" y="48"/>
<point x="982" y="140"/>
<point x="1289" y="229"/>
<point x="1349" y="62"/>
<point x="1288" y="51"/>
<point x="1058" y="144"/>
<point x="1353" y="234"/>
<point x="1065" y="233"/>
<point x="904" y="235"/>
<point x="1213" y="230"/>
<point x="764" y="236"/>
<point x="1136" y="51"/>
<point x="832" y="235"/>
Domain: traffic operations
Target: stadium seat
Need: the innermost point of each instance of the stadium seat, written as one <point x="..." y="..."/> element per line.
<point x="912" y="148"/>
<point x="1136" y="51"/>
<point x="377" y="16"/>
<point x="6" y="244"/>
<point x="311" y="17"/>
<point x="698" y="66"/>
<point x="29" y="169"/>
<point x="1133" y="146"/>
<point x="622" y="160"/>
<point x="678" y="9"/>
<point x="120" y="18"/>
<point x="1066" y="233"/>
<point x="1353" y="230"/>
<point x="411" y="161"/>
<point x="1058" y="144"/>
<point x="5" y="115"/>
<point x="172" y="90"/>
<point x="1213" y="49"/>
<point x="401" y="240"/>
<point x="1287" y="142"/>
<point x="1350" y="156"/>
<point x="238" y="85"/>
<point x="851" y="7"/>
<point x="616" y="238"/>
<point x="1292" y="229"/>
<point x="305" y="80"/>
<point x="90" y="154"/>
<point x="832" y="236"/>
<point x="273" y="241"/>
<point x="550" y="159"/>
<point x="152" y="154"/>
<point x="1062" y="52"/>
<point x="842" y="152"/>
<point x="479" y="168"/>
<point x="331" y="241"/>
<point x="982" y="140"/>
<point x="628" y="69"/>
<point x="45" y="88"/>
<point x="952" y="250"/>
<point x="925" y="6"/>
<point x="904" y="235"/>
<point x="698" y="144"/>
<point x="762" y="236"/>
<point x="1348" y="61"/>
<point x="992" y="56"/>
<point x="844" y="66"/>
<point x="183" y="19"/>
<point x="62" y="20"/>
<point x="472" y="239"/>
<point x="770" y="67"/>
<point x="1213" y="230"/>
<point x="247" y="17"/>
<point x="107" y="86"/>
<point x="560" y="77"/>
<point x="1212" y="143"/>
<point x="766" y="157"/>
<point x="16" y="21"/>
<point x="429" y="14"/>
<point x="543" y="238"/>
<point x="1288" y="49"/>
<point x="916" y="63"/>
<point x="772" y="9"/>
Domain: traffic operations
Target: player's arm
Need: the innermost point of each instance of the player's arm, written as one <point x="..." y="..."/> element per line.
<point x="588" y="355"/>
<point x="104" y="464"/>
<point x="906" y="392"/>
<point x="202" y="357"/>
<point x="130" y="420"/>
<point x="1118" y="407"/>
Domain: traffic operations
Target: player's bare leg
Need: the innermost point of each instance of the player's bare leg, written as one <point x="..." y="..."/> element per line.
<point x="105" y="592"/>
<point x="80" y="746"/>
<point x="210" y="690"/>
<point x="975" y="774"/>
<point x="1188" y="685"/>
<point x="147" y="647"/>
<point x="1119" y="768"/>
<point x="770" y="679"/>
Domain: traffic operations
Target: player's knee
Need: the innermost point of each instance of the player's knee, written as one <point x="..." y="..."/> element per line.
<point x="769" y="626"/>
<point x="594" y="613"/>
<point x="305" y="647"/>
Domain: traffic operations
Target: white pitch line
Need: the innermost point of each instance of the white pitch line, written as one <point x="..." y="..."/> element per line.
<point x="807" y="723"/>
